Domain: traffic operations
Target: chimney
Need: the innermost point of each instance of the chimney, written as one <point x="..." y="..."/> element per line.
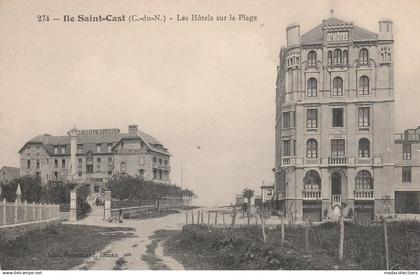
<point x="293" y="34"/>
<point x="132" y="129"/>
<point x="385" y="29"/>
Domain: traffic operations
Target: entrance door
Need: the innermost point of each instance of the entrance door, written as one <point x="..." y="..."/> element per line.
<point x="336" y="184"/>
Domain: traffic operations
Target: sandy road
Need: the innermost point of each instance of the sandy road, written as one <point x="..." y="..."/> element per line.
<point x="127" y="253"/>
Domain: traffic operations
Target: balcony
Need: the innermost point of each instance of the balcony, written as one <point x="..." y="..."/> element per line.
<point x="281" y="195"/>
<point x="364" y="194"/>
<point x="287" y="161"/>
<point x="337" y="161"/>
<point x="311" y="194"/>
<point x="336" y="199"/>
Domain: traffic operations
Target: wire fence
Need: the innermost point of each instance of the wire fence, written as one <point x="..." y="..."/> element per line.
<point x="384" y="244"/>
<point x="18" y="213"/>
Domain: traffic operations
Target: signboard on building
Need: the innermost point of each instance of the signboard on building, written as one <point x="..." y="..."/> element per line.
<point x="337" y="36"/>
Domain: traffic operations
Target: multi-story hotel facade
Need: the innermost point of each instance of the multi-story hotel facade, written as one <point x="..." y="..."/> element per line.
<point x="94" y="155"/>
<point x="335" y="121"/>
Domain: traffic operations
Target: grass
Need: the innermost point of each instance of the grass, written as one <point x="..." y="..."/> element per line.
<point x="198" y="247"/>
<point x="59" y="247"/>
<point x="153" y="261"/>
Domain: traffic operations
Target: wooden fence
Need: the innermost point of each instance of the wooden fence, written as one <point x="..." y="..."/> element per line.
<point x="18" y="213"/>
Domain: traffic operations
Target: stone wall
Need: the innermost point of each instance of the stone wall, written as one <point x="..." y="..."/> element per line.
<point x="12" y="232"/>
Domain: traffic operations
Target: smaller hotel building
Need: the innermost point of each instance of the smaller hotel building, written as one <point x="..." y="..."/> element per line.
<point x="94" y="155"/>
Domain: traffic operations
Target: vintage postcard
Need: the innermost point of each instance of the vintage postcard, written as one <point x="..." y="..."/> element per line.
<point x="209" y="135"/>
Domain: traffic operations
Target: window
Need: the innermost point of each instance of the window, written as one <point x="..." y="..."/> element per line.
<point x="286" y="148"/>
<point x="286" y="120"/>
<point x="345" y="57"/>
<point x="312" y="59"/>
<point x="364" y="85"/>
<point x="337" y="57"/>
<point x="311" y="148"/>
<point x="63" y="149"/>
<point x="160" y="161"/>
<point x="55" y="174"/>
<point x="406" y="151"/>
<point x="364" y="180"/>
<point x="160" y="174"/>
<point x="364" y="117"/>
<point x="109" y="162"/>
<point x="406" y="174"/>
<point x="37" y="164"/>
<point x="338" y="147"/>
<point x="98" y="163"/>
<point x="338" y="86"/>
<point x="166" y="162"/>
<point x="329" y="58"/>
<point x="269" y="192"/>
<point x="38" y="174"/>
<point x="312" y="87"/>
<point x="109" y="172"/>
<point x="363" y="57"/>
<point x="63" y="163"/>
<point x="141" y="173"/>
<point x="154" y="173"/>
<point x="337" y="119"/>
<point x="80" y="162"/>
<point x="364" y="148"/>
<point x="109" y="146"/>
<point x="28" y="164"/>
<point x="56" y="163"/>
<point x="312" y="118"/>
<point x="98" y="148"/>
<point x="55" y="149"/>
<point x="123" y="167"/>
<point x="79" y="148"/>
<point x="312" y="180"/>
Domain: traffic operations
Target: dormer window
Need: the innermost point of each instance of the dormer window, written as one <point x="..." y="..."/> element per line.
<point x="363" y="56"/>
<point x="312" y="59"/>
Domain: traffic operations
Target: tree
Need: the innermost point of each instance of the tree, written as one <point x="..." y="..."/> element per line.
<point x="248" y="194"/>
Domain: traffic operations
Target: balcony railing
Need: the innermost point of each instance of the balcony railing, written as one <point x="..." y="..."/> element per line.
<point x="287" y="161"/>
<point x="337" y="161"/>
<point x="281" y="195"/>
<point x="336" y="199"/>
<point x="311" y="194"/>
<point x="366" y="194"/>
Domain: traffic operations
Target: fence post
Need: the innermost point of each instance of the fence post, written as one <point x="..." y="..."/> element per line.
<point x="192" y="216"/>
<point x="4" y="211"/>
<point x="215" y="220"/>
<point x="33" y="212"/>
<point x="40" y="212"/>
<point x="263" y="226"/>
<point x="186" y="217"/>
<point x="208" y="219"/>
<point x="224" y="223"/>
<point x="16" y="212"/>
<point x="341" y="247"/>
<point x="198" y="217"/>
<point x="24" y="212"/>
<point x="282" y="231"/>
<point x="386" y="245"/>
<point x="306" y="236"/>
<point x="202" y="216"/>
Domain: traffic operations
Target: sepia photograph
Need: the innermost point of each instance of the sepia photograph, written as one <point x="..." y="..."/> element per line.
<point x="207" y="135"/>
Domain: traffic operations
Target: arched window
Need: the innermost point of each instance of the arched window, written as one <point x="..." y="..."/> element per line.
<point x="364" y="180"/>
<point x="312" y="180"/>
<point x="337" y="86"/>
<point x="337" y="57"/>
<point x="312" y="59"/>
<point x="363" y="57"/>
<point x="364" y="85"/>
<point x="311" y="148"/>
<point x="312" y="87"/>
<point x="364" y="148"/>
<point x="329" y="58"/>
<point x="345" y="57"/>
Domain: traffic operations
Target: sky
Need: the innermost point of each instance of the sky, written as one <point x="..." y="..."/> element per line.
<point x="189" y="84"/>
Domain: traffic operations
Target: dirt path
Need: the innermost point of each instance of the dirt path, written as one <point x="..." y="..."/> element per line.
<point x="127" y="253"/>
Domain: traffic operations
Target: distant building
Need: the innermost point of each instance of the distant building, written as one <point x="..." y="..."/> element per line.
<point x="267" y="191"/>
<point x="93" y="155"/>
<point x="7" y="174"/>
<point x="239" y="199"/>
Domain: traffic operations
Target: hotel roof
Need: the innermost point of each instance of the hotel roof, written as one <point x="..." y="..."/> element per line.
<point x="316" y="36"/>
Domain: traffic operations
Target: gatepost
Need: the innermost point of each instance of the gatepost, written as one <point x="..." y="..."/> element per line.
<point x="107" y="205"/>
<point x="73" y="206"/>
